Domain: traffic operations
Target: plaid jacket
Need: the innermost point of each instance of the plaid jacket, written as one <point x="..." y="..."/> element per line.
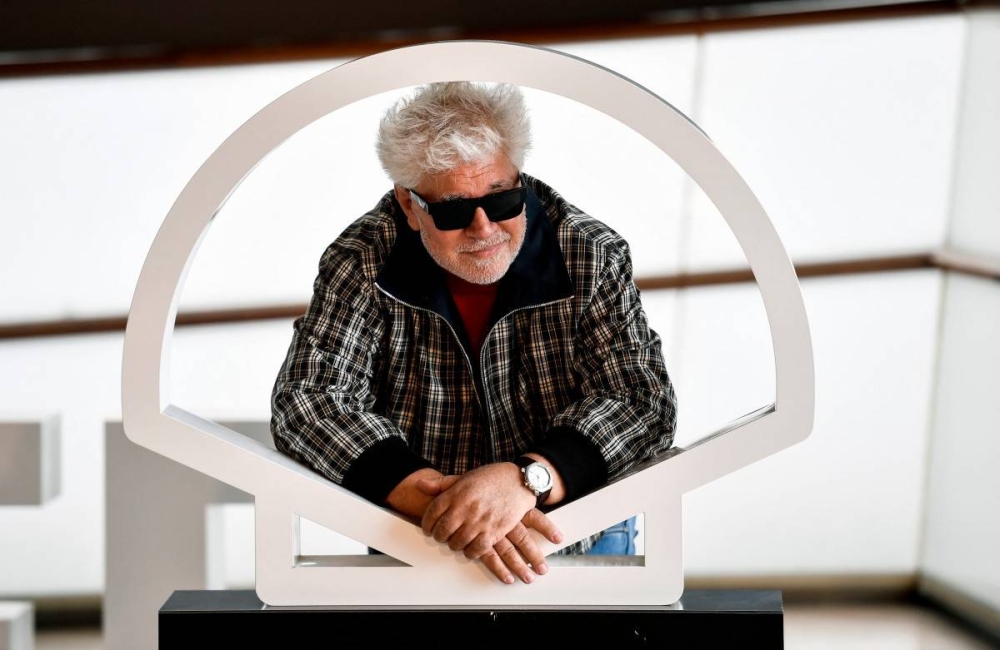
<point x="380" y="380"/>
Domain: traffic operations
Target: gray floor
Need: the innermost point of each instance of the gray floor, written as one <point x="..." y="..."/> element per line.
<point x="807" y="626"/>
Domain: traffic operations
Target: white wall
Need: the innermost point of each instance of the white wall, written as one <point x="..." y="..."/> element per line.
<point x="962" y="531"/>
<point x="975" y="216"/>
<point x="604" y="167"/>
<point x="848" y="500"/>
<point x="89" y="166"/>
<point x="831" y="125"/>
<point x="845" y="132"/>
<point x="962" y="527"/>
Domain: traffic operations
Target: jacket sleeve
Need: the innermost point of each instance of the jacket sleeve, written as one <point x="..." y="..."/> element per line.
<point x="324" y="395"/>
<point x="628" y="409"/>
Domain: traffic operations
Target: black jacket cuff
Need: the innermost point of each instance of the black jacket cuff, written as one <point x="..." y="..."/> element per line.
<point x="381" y="467"/>
<point x="577" y="459"/>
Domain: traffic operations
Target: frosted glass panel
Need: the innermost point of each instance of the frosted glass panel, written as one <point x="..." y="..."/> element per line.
<point x="606" y="169"/>
<point x="90" y="165"/>
<point x="664" y="65"/>
<point x="976" y="225"/>
<point x="962" y="533"/>
<point x="226" y="372"/>
<point x="844" y="131"/>
<point x="725" y="362"/>
<point x="848" y="499"/>
<point x="612" y="174"/>
<point x="265" y="244"/>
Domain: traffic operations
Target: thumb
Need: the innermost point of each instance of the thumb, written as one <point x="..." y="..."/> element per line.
<point x="435" y="486"/>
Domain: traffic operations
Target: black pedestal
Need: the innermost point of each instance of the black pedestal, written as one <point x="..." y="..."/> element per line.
<point x="704" y="619"/>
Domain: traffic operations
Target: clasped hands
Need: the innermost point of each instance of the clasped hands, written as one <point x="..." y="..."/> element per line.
<point x="486" y="513"/>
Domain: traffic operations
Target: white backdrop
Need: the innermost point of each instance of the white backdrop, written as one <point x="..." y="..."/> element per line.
<point x="844" y="131"/>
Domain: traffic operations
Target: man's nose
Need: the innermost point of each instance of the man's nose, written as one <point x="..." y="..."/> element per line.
<point x="481" y="226"/>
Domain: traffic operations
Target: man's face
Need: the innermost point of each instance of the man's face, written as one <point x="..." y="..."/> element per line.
<point x="482" y="252"/>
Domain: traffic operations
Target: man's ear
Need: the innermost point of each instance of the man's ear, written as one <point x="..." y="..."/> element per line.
<point x="406" y="202"/>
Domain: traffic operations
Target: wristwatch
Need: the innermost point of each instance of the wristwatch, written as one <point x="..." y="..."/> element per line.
<point x="537" y="478"/>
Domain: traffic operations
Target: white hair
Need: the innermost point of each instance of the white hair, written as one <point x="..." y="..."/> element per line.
<point x="444" y="125"/>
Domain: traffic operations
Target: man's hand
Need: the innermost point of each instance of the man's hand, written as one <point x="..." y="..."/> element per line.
<point x="477" y="509"/>
<point x="408" y="499"/>
<point x="513" y="554"/>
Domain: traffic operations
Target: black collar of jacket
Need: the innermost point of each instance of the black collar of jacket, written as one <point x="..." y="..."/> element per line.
<point x="537" y="276"/>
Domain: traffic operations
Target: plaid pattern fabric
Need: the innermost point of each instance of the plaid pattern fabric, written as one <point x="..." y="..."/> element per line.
<point x="365" y="365"/>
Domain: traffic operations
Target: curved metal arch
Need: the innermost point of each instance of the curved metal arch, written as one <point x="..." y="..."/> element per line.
<point x="282" y="486"/>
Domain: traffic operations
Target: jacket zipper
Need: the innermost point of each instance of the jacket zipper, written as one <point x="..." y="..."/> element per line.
<point x="468" y="362"/>
<point x="484" y="400"/>
<point x="482" y="357"/>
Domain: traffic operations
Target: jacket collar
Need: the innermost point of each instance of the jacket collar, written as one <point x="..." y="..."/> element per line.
<point x="537" y="276"/>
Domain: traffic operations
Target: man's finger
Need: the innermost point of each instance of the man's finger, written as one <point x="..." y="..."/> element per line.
<point x="521" y="539"/>
<point x="510" y="556"/>
<point x="496" y="566"/>
<point x="433" y="486"/>
<point x="481" y="544"/>
<point x="447" y="525"/>
<point x="461" y="538"/>
<point x="434" y="512"/>
<point x="537" y="520"/>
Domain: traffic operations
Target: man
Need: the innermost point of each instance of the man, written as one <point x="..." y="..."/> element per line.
<point x="475" y="348"/>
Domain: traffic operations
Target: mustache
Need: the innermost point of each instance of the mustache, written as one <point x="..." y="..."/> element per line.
<point x="499" y="238"/>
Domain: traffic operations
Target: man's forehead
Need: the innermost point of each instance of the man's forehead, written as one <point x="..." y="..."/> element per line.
<point x="470" y="180"/>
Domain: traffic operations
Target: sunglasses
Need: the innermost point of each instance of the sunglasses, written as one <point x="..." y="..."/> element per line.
<point x="456" y="214"/>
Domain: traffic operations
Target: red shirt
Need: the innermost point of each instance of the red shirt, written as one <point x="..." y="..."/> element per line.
<point x="475" y="304"/>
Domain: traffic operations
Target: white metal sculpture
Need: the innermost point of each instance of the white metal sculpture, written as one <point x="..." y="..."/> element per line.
<point x="417" y="570"/>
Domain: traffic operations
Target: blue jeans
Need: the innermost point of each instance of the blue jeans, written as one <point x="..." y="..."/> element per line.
<point x="616" y="540"/>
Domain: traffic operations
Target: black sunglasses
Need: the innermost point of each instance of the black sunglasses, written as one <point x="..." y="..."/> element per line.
<point x="456" y="214"/>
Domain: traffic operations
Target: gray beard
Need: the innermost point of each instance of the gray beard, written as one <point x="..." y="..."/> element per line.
<point x="486" y="273"/>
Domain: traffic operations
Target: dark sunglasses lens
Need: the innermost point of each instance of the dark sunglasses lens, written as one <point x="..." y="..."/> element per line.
<point x="505" y="205"/>
<point x="452" y="215"/>
<point x="458" y="213"/>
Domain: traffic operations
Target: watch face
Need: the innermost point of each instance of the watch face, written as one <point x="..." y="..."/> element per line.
<point x="537" y="476"/>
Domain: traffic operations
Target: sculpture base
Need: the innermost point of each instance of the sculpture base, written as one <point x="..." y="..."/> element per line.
<point x="703" y="618"/>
